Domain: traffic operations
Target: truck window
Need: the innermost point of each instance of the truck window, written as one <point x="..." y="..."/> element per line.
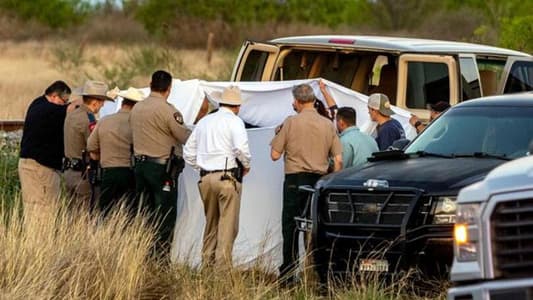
<point x="469" y="77"/>
<point x="520" y="78"/>
<point x="427" y="82"/>
<point x="255" y="64"/>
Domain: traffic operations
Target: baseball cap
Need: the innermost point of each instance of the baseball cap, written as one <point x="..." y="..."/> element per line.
<point x="381" y="103"/>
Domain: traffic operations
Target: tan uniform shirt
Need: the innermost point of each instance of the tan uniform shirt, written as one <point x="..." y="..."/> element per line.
<point x="112" y="138"/>
<point x="156" y="127"/>
<point x="308" y="140"/>
<point x="76" y="130"/>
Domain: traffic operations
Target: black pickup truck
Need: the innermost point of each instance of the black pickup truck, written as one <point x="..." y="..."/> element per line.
<point x="398" y="211"/>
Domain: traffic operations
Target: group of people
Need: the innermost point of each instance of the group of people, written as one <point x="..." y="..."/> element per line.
<point x="140" y="151"/>
<point x="135" y="153"/>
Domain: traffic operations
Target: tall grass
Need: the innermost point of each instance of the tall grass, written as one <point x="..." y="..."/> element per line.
<point x="71" y="254"/>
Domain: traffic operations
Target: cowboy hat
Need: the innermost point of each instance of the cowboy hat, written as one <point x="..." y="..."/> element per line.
<point x="230" y="96"/>
<point x="95" y="89"/>
<point x="132" y="94"/>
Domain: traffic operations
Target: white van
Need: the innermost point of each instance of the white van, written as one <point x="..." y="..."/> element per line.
<point x="412" y="72"/>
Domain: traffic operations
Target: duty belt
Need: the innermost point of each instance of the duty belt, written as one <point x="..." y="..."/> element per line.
<point x="74" y="164"/>
<point x="205" y="172"/>
<point x="146" y="158"/>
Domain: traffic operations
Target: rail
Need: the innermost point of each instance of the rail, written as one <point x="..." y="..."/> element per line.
<point x="11" y="125"/>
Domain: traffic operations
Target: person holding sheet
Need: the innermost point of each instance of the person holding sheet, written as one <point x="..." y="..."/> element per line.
<point x="308" y="140"/>
<point x="218" y="148"/>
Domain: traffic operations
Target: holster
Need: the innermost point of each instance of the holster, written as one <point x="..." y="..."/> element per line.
<point x="174" y="166"/>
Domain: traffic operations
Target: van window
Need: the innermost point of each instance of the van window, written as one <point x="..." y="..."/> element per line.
<point x="296" y="65"/>
<point x="490" y="73"/>
<point x="427" y="82"/>
<point x="469" y="78"/>
<point x="333" y="66"/>
<point x="255" y="64"/>
<point x="520" y="78"/>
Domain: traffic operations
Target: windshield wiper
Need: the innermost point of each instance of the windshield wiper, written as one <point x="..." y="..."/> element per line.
<point x="485" y="155"/>
<point x="424" y="153"/>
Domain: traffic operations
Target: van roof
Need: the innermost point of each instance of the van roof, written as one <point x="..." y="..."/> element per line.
<point x="395" y="44"/>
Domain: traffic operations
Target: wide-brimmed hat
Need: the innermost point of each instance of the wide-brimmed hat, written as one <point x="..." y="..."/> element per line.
<point x="381" y="103"/>
<point x="230" y="96"/>
<point x="95" y="89"/>
<point x="132" y="94"/>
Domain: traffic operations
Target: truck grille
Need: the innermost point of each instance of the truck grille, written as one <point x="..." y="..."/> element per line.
<point x="512" y="229"/>
<point x="368" y="208"/>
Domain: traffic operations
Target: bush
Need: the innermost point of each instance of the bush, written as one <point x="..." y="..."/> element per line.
<point x="517" y="33"/>
<point x="53" y="13"/>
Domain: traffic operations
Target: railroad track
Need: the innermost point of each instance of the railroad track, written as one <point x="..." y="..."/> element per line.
<point x="11" y="125"/>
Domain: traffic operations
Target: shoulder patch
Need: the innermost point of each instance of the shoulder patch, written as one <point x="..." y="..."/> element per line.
<point x="178" y="118"/>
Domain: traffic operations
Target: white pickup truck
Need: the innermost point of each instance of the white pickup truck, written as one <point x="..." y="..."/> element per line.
<point x="494" y="236"/>
<point x="411" y="72"/>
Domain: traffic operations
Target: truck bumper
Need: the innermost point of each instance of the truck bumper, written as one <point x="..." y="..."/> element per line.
<point x="512" y="289"/>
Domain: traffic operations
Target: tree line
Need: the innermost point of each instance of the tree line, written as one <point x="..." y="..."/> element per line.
<point x="506" y="23"/>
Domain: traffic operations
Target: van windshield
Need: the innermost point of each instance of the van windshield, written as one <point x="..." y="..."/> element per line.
<point x="464" y="131"/>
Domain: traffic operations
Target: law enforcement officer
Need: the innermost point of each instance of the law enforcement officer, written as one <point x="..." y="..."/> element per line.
<point x="111" y="143"/>
<point x="41" y="149"/>
<point x="78" y="125"/>
<point x="158" y="129"/>
<point x="308" y="140"/>
<point x="215" y="145"/>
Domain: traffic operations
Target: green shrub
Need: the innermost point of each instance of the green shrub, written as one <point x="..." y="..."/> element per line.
<point x="517" y="33"/>
<point x="53" y="13"/>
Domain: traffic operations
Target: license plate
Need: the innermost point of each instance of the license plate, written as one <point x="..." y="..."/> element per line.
<point x="373" y="265"/>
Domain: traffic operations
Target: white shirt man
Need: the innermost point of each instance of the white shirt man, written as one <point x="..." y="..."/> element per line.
<point x="213" y="147"/>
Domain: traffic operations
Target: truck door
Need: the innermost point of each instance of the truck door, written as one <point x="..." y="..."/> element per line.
<point x="517" y="75"/>
<point x="425" y="79"/>
<point x="256" y="62"/>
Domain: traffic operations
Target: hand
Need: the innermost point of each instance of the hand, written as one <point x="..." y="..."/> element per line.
<point x="413" y="119"/>
<point x="322" y="85"/>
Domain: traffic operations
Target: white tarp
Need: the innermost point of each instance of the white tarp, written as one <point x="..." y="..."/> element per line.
<point x="266" y="105"/>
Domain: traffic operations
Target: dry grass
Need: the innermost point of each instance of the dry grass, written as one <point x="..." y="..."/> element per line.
<point x="27" y="68"/>
<point x="72" y="255"/>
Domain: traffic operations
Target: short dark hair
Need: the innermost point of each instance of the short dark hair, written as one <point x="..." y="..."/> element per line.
<point x="161" y="81"/>
<point x="347" y="114"/>
<point x="128" y="102"/>
<point x="59" y="87"/>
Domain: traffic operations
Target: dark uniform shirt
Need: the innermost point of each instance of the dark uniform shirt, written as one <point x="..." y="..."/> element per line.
<point x="42" y="138"/>
<point x="389" y="132"/>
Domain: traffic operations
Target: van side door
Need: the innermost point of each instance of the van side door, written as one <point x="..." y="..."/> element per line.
<point x="517" y="75"/>
<point x="255" y="62"/>
<point x="425" y="79"/>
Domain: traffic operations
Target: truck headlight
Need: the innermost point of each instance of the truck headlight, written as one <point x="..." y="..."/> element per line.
<point x="445" y="210"/>
<point x="466" y="232"/>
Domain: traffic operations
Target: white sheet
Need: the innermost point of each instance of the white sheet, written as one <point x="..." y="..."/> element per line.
<point x="267" y="105"/>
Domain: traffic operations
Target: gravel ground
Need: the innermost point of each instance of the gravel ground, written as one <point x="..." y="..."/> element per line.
<point x="10" y="141"/>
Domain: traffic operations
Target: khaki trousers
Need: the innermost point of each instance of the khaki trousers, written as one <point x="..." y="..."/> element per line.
<point x="40" y="188"/>
<point x="78" y="187"/>
<point x="222" y="200"/>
